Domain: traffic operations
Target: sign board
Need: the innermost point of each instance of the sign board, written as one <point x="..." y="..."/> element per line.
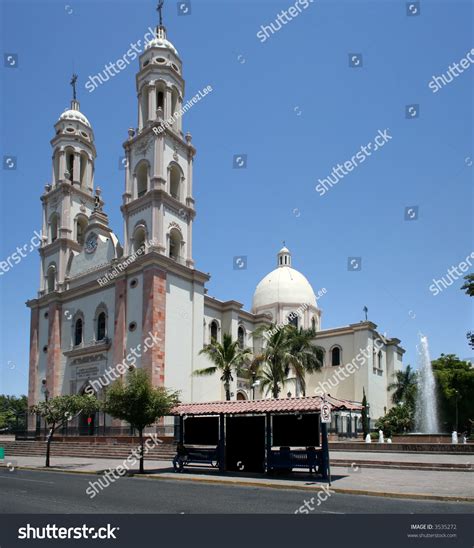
<point x="87" y="372"/>
<point x="325" y="413"/>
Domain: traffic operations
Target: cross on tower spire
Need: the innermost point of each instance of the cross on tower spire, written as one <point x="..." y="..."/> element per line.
<point x="74" y="102"/>
<point x="73" y="84"/>
<point x="159" y="9"/>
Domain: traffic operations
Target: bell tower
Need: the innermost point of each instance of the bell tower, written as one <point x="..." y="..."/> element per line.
<point x="68" y="200"/>
<point x="158" y="204"/>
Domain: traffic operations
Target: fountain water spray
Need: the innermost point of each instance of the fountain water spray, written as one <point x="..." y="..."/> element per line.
<point x="426" y="417"/>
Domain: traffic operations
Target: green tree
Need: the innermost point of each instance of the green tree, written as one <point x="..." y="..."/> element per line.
<point x="227" y="358"/>
<point x="275" y="360"/>
<point x="364" y="417"/>
<point x="139" y="403"/>
<point x="404" y="387"/>
<point x="287" y="349"/>
<point x="455" y="384"/>
<point x="59" y="410"/>
<point x="13" y="412"/>
<point x="398" y="420"/>
<point x="305" y="357"/>
<point x="468" y="286"/>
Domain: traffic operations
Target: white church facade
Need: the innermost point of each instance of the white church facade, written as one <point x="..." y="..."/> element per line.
<point x="140" y="301"/>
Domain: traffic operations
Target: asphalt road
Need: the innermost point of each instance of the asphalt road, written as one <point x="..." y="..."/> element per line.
<point x="25" y="491"/>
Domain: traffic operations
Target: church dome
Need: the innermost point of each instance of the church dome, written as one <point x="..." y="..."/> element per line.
<point x="283" y="285"/>
<point x="75" y="116"/>
<point x="160" y="41"/>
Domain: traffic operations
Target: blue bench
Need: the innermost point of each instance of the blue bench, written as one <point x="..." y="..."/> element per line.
<point x="287" y="459"/>
<point x="196" y="456"/>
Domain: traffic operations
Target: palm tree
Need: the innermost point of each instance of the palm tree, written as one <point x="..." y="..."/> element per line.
<point x="228" y="358"/>
<point x="305" y="356"/>
<point x="274" y="362"/>
<point x="404" y="386"/>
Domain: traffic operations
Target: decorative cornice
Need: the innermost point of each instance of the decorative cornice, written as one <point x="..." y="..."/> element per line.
<point x="91" y="348"/>
<point x="157" y="195"/>
<point x="66" y="188"/>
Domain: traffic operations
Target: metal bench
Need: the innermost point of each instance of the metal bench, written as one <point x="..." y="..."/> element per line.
<point x="286" y="459"/>
<point x="196" y="456"/>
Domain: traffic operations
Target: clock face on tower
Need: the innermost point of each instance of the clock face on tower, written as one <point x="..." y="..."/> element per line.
<point x="91" y="243"/>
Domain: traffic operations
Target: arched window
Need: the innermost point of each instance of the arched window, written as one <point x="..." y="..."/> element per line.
<point x="139" y="238"/>
<point x="101" y="324"/>
<point x="241" y="396"/>
<point x="313" y="323"/>
<point x="175" y="244"/>
<point x="81" y="225"/>
<point x="293" y="319"/>
<point x="380" y="359"/>
<point x="51" y="278"/>
<point x="142" y="179"/>
<point x="241" y="336"/>
<point x="214" y="328"/>
<point x="175" y="180"/>
<point x="336" y="356"/>
<point x="53" y="227"/>
<point x="78" y="328"/>
<point x="160" y="99"/>
<point x="70" y="164"/>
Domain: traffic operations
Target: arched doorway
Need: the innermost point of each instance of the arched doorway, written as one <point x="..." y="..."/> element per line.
<point x="87" y="422"/>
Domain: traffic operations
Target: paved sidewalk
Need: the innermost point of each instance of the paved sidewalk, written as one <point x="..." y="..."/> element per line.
<point x="352" y="479"/>
<point x="432" y="458"/>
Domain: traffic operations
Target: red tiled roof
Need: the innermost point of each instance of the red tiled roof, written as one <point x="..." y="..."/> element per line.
<point x="307" y="404"/>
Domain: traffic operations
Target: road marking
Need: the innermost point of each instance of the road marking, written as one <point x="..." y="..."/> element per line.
<point x="25" y="479"/>
<point x="329" y="512"/>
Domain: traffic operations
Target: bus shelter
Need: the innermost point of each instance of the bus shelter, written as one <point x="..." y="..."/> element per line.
<point x="259" y="435"/>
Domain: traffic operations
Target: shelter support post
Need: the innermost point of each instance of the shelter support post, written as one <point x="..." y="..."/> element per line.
<point x="222" y="456"/>
<point x="181" y="429"/>
<point x="268" y="441"/>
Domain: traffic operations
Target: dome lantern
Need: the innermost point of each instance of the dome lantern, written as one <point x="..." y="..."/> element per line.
<point x="284" y="256"/>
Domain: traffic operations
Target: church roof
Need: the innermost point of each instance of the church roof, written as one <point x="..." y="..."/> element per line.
<point x="284" y="405"/>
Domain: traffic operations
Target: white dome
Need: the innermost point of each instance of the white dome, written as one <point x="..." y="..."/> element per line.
<point x="76" y="116"/>
<point x="160" y="41"/>
<point x="283" y="285"/>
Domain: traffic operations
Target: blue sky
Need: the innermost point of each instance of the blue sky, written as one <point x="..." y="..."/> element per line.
<point x="296" y="108"/>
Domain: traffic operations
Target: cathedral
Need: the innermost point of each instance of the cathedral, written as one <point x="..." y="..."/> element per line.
<point x="105" y="302"/>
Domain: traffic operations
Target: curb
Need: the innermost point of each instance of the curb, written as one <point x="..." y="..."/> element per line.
<point x="240" y="483"/>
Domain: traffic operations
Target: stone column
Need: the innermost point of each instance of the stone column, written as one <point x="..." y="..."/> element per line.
<point x="76" y="175"/>
<point x="151" y="103"/>
<point x="120" y="328"/>
<point x="62" y="166"/>
<point x="158" y="160"/>
<point x="120" y="331"/>
<point x="140" y="112"/>
<point x="168" y="112"/>
<point x="33" y="366"/>
<point x="89" y="183"/>
<point x="53" y="366"/>
<point x="154" y="323"/>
